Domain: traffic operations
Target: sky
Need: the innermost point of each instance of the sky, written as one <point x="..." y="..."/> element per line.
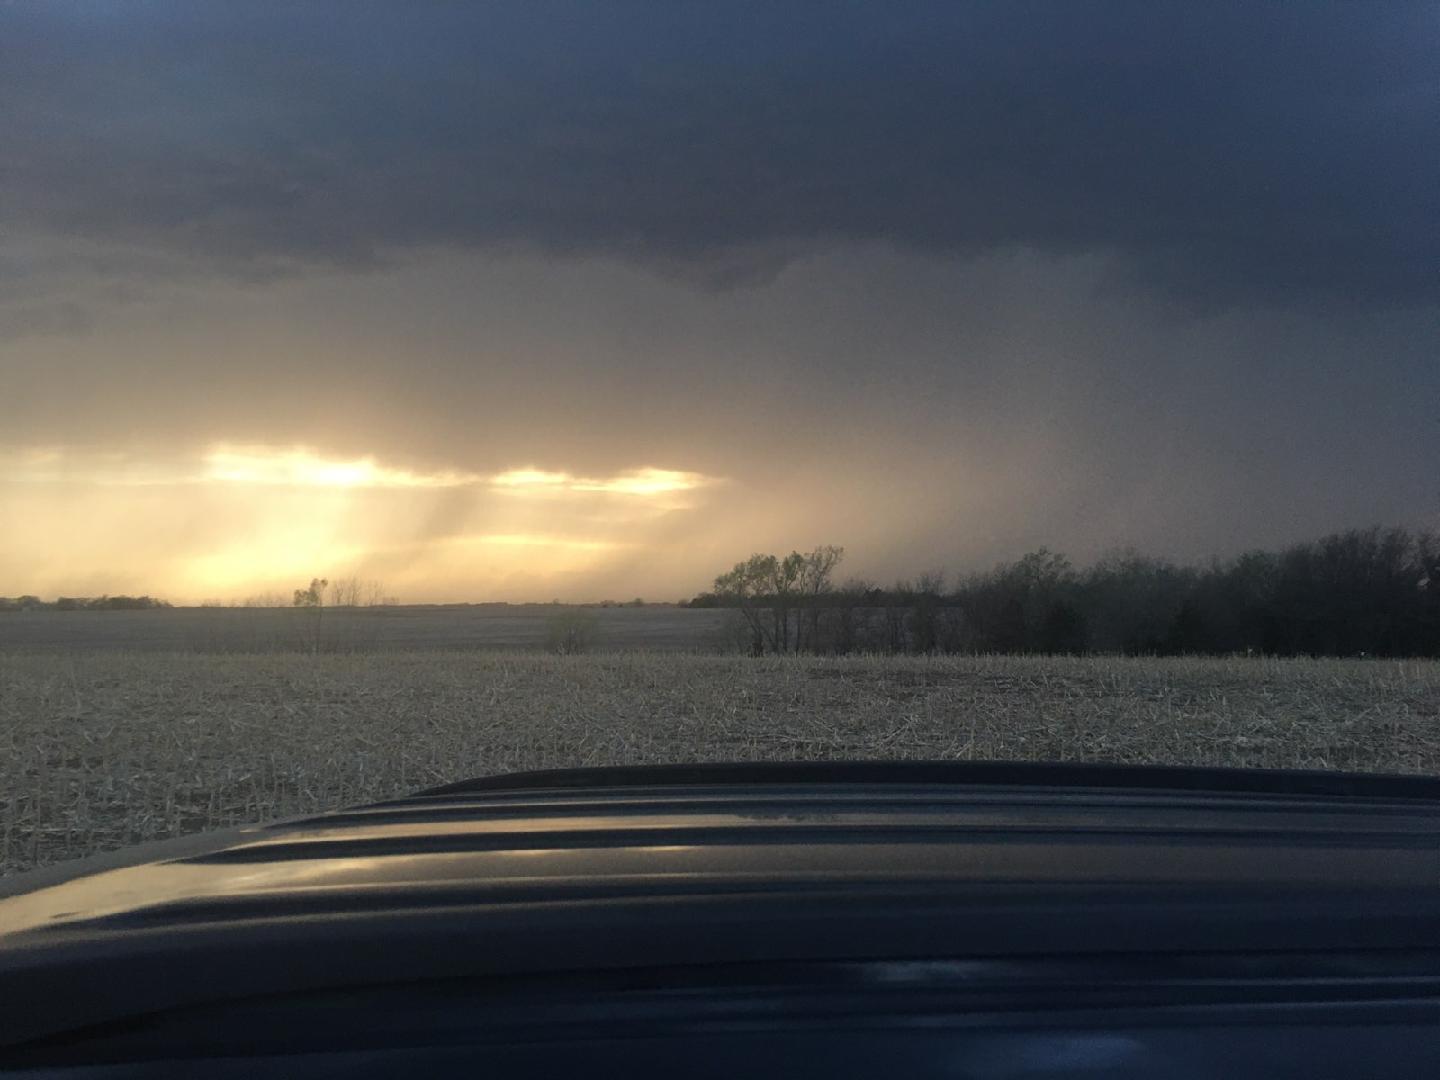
<point x="581" y="300"/>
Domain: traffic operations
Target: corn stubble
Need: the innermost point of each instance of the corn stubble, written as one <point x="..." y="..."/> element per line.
<point x="103" y="749"/>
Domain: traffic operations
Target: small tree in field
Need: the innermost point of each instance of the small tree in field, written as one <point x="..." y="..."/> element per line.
<point x="314" y="596"/>
<point x="313" y="599"/>
<point x="570" y="633"/>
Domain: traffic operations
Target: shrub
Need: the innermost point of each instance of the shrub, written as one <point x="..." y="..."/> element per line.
<point x="568" y="633"/>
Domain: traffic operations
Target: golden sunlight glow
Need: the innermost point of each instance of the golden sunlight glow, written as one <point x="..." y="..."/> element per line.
<point x="530" y="478"/>
<point x="234" y="520"/>
<point x="542" y="541"/>
<point x="303" y="468"/>
<point x="281" y="552"/>
<point x="646" y="481"/>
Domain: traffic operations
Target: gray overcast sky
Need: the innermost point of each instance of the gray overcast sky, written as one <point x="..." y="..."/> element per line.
<point x="422" y="290"/>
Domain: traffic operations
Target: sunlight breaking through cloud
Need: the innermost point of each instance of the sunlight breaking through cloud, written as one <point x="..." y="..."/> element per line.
<point x="645" y="481"/>
<point x="538" y="540"/>
<point x="530" y="478"/>
<point x="231" y="520"/>
<point x="303" y="468"/>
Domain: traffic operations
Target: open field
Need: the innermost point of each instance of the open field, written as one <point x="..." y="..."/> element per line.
<point x="101" y="748"/>
<point x="457" y="626"/>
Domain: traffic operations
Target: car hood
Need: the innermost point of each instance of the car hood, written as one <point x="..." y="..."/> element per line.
<point x="612" y="868"/>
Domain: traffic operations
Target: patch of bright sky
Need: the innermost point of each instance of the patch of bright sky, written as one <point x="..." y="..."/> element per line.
<point x="303" y="467"/>
<point x="232" y="520"/>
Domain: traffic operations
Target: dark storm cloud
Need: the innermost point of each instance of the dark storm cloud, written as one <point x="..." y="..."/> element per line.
<point x="1221" y="152"/>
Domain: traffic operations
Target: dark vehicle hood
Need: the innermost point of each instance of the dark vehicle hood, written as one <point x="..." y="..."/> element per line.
<point x="636" y="867"/>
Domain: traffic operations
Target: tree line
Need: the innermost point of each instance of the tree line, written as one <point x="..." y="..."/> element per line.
<point x="82" y="603"/>
<point x="1363" y="592"/>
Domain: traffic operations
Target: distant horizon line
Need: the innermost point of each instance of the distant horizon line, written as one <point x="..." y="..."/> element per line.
<point x="1426" y="537"/>
<point x="161" y="604"/>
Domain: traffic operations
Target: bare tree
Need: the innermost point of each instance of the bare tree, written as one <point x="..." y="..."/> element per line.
<point x="345" y="592"/>
<point x="569" y="633"/>
<point x="744" y="586"/>
<point x="785" y="592"/>
<point x="925" y="594"/>
<point x="313" y="598"/>
<point x="768" y="588"/>
<point x="815" y="582"/>
<point x="849" y="605"/>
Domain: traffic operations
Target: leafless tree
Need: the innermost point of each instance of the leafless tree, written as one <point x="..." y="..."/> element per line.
<point x="569" y="633"/>
<point x="313" y="599"/>
<point x="849" y="607"/>
<point x="924" y="595"/>
<point x="744" y="586"/>
<point x="768" y="589"/>
<point x="345" y="592"/>
<point x="815" y="582"/>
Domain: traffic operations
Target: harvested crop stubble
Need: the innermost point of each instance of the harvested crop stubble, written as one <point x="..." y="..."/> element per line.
<point x="106" y="748"/>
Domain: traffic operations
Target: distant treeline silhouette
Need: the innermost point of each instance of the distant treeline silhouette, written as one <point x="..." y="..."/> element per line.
<point x="81" y="603"/>
<point x="1365" y="592"/>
